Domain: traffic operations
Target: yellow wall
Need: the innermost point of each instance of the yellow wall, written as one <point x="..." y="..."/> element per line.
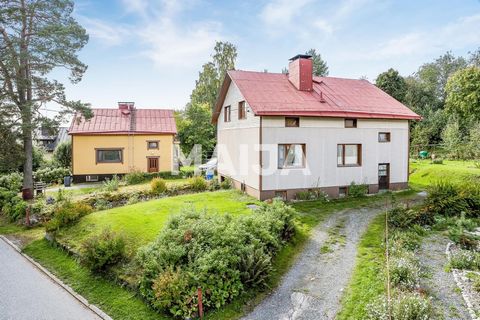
<point x="135" y="153"/>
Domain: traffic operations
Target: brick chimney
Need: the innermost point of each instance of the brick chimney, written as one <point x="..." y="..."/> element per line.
<point x="126" y="105"/>
<point x="300" y="71"/>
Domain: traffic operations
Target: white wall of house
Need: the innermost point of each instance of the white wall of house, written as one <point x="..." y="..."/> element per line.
<point x="321" y="137"/>
<point x="238" y="156"/>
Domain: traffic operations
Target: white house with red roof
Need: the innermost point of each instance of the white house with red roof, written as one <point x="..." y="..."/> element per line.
<point x="121" y="140"/>
<point x="279" y="134"/>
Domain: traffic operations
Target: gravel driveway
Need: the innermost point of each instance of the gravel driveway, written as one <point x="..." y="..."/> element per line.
<point x="27" y="293"/>
<point x="313" y="287"/>
<point x="440" y="284"/>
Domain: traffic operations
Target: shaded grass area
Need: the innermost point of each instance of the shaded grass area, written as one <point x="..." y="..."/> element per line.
<point x="140" y="223"/>
<point x="423" y="173"/>
<point x="367" y="281"/>
<point x="115" y="300"/>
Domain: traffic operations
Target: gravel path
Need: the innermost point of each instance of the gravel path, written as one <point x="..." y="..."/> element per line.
<point x="447" y="299"/>
<point x="26" y="293"/>
<point x="313" y="287"/>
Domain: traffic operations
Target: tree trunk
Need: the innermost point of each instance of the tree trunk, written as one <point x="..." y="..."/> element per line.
<point x="27" y="190"/>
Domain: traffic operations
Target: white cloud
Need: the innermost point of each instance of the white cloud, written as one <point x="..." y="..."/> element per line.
<point x="282" y="11"/>
<point x="107" y="34"/>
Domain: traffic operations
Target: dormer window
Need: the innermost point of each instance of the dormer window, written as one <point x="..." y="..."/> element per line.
<point x="292" y="122"/>
<point x="350" y="123"/>
<point x="242" y="110"/>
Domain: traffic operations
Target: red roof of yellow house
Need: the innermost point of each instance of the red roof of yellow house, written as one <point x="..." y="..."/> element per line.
<point x="125" y="120"/>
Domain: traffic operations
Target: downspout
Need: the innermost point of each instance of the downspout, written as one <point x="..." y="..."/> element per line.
<point x="260" y="177"/>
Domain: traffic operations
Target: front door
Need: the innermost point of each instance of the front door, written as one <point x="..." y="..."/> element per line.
<point x="383" y="176"/>
<point x="152" y="164"/>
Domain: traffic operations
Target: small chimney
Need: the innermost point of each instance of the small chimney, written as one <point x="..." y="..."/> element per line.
<point x="300" y="71"/>
<point x="126" y="105"/>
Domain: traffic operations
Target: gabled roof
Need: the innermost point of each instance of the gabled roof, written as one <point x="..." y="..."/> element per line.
<point x="274" y="94"/>
<point x="117" y="121"/>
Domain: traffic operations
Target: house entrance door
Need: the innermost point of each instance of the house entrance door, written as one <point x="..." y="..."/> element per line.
<point x="383" y="176"/>
<point x="152" y="164"/>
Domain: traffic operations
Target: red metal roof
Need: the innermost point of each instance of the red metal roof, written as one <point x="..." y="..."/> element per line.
<point x="116" y="121"/>
<point x="273" y="94"/>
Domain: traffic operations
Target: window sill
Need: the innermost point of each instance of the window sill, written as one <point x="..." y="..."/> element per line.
<point x="348" y="165"/>
<point x="280" y="168"/>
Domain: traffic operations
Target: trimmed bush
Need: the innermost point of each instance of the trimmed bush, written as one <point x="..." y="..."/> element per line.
<point x="134" y="177"/>
<point x="223" y="255"/>
<point x="158" y="186"/>
<point x="67" y="213"/>
<point x="198" y="184"/>
<point x="51" y="175"/>
<point x="102" y="251"/>
<point x="12" y="181"/>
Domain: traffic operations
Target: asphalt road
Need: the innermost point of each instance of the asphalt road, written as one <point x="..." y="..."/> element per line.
<point x="27" y="293"/>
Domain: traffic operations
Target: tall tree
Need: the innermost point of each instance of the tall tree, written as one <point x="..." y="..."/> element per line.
<point x="463" y="94"/>
<point x="37" y="36"/>
<point x="392" y="83"/>
<point x="320" y="68"/>
<point x="212" y="74"/>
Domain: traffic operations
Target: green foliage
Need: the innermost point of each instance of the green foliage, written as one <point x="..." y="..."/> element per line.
<point x="404" y="271"/>
<point x="134" y="177"/>
<point x="453" y="139"/>
<point x="465" y="259"/>
<point x="103" y="250"/>
<point x="63" y="154"/>
<point x="392" y="83"/>
<point x="463" y="93"/>
<point x="221" y="254"/>
<point x="51" y="175"/>
<point x="357" y="190"/>
<point x="198" y="183"/>
<point x="405" y="306"/>
<point x="214" y="184"/>
<point x="12" y="181"/>
<point x="15" y="209"/>
<point x="437" y="161"/>
<point x="320" y="68"/>
<point x="11" y="151"/>
<point x="226" y="184"/>
<point x="67" y="213"/>
<point x="445" y="199"/>
<point x="402" y="217"/>
<point x="112" y="184"/>
<point x="312" y="194"/>
<point x="158" y="186"/>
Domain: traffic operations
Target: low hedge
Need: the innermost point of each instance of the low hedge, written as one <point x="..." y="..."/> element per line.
<point x="51" y="175"/>
<point x="223" y="255"/>
<point x="12" y="181"/>
<point x="11" y="205"/>
<point x="136" y="177"/>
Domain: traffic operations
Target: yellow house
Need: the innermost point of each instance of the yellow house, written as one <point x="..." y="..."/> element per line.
<point x="118" y="141"/>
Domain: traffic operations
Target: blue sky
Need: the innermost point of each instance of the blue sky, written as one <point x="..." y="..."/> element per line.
<point x="151" y="52"/>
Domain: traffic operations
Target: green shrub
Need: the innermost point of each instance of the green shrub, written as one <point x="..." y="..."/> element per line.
<point x="213" y="184"/>
<point x="224" y="255"/>
<point x="461" y="237"/>
<point x="357" y="190"/>
<point x="63" y="154"/>
<point x="134" y="198"/>
<point x="111" y="184"/>
<point x="67" y="213"/>
<point x="437" y="161"/>
<point x="465" y="259"/>
<point x="51" y="175"/>
<point x="158" y="186"/>
<point x="103" y="250"/>
<point x="404" y="271"/>
<point x="227" y="183"/>
<point x="15" y="209"/>
<point x="407" y="240"/>
<point x="402" y="217"/>
<point x="102" y="204"/>
<point x="405" y="306"/>
<point x="476" y="164"/>
<point x="445" y="199"/>
<point x="198" y="183"/>
<point x="12" y="181"/>
<point x="134" y="177"/>
<point x="6" y="196"/>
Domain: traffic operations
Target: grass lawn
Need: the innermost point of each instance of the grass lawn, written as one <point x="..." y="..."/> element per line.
<point x="423" y="172"/>
<point x="115" y="300"/>
<point x="140" y="223"/>
<point x="367" y="281"/>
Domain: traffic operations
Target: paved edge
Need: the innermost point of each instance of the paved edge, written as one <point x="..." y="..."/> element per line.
<point x="67" y="288"/>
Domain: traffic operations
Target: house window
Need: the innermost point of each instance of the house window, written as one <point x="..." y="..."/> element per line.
<point x="292" y="122"/>
<point x="281" y="194"/>
<point x="152" y="145"/>
<point x="342" y="191"/>
<point x="349" y="155"/>
<point x="350" y="123"/>
<point x="226" y="114"/>
<point x="384" y="137"/>
<point x="291" y="156"/>
<point x="109" y="155"/>
<point x="242" y="110"/>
